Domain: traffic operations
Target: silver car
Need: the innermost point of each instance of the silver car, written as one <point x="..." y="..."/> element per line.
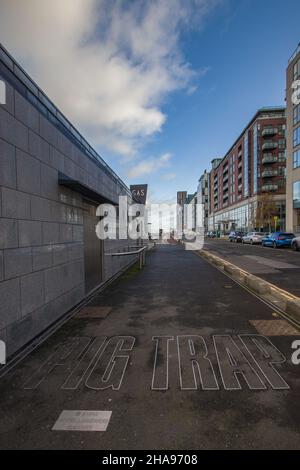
<point x="253" y="237"/>
<point x="296" y="243"/>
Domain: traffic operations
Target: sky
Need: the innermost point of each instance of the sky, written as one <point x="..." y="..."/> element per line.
<point x="158" y="87"/>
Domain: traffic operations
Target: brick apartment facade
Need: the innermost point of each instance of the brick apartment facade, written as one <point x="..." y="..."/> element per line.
<point x="253" y="167"/>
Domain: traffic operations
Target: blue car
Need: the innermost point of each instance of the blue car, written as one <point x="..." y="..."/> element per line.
<point x="278" y="239"/>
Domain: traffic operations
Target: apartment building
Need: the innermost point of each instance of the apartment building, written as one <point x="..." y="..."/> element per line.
<point x="202" y="195"/>
<point x="293" y="142"/>
<point x="186" y="217"/>
<point x="250" y="180"/>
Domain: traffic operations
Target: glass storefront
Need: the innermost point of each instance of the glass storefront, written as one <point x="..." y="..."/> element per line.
<point x="244" y="218"/>
<point x="296" y="195"/>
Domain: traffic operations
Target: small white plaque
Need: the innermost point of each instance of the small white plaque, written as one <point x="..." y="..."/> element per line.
<point x="82" y="420"/>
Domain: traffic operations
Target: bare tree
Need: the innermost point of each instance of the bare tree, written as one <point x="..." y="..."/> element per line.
<point x="265" y="211"/>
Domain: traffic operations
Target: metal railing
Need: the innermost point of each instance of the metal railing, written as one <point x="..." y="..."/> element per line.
<point x="269" y="159"/>
<point x="269" y="187"/>
<point x="269" y="131"/>
<point x="40" y="100"/>
<point x="269" y="145"/>
<point x="141" y="252"/>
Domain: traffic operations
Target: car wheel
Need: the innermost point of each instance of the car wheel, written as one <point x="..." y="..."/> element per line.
<point x="295" y="246"/>
<point x="274" y="245"/>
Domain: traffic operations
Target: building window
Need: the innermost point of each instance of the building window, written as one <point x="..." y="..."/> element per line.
<point x="297" y="70"/>
<point x="281" y="143"/>
<point x="296" y="159"/>
<point x="281" y="157"/>
<point x="296" y="114"/>
<point x="296" y="137"/>
<point x="296" y="194"/>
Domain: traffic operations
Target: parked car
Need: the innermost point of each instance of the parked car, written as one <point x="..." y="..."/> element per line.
<point x="253" y="237"/>
<point x="212" y="234"/>
<point x="296" y="243"/>
<point x="278" y="239"/>
<point x="235" y="236"/>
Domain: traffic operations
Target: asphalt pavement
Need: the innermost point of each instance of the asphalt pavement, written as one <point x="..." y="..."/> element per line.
<point x="280" y="266"/>
<point x="176" y="356"/>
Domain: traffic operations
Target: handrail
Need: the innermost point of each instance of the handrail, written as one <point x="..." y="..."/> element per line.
<point x="124" y="253"/>
<point x="141" y="252"/>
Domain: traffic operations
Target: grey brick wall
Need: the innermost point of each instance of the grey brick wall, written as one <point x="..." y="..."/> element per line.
<point x="41" y="223"/>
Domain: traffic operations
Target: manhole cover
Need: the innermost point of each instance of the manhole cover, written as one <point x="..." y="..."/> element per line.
<point x="94" y="312"/>
<point x="227" y="287"/>
<point x="274" y="328"/>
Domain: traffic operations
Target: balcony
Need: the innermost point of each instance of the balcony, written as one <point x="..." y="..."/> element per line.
<point x="266" y="188"/>
<point x="225" y="178"/>
<point x="269" y="131"/>
<point x="269" y="159"/>
<point x="269" y="173"/>
<point x="240" y="187"/>
<point x="269" y="145"/>
<point x="225" y="187"/>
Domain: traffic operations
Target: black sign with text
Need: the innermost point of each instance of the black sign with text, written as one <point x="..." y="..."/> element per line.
<point x="139" y="192"/>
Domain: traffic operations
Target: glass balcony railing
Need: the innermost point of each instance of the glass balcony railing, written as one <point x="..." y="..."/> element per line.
<point x="269" y="173"/>
<point x="269" y="131"/>
<point x="269" y="159"/>
<point x="269" y="145"/>
<point x="269" y="187"/>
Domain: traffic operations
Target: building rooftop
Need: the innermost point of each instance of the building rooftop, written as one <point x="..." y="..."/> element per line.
<point x="40" y="100"/>
<point x="295" y="53"/>
<point x="256" y="116"/>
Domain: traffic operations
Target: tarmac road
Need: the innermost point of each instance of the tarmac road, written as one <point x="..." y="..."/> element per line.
<point x="280" y="266"/>
<point x="177" y="360"/>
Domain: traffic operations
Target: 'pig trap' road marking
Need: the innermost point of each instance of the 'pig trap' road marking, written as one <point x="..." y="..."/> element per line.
<point x="82" y="420"/>
<point x="100" y="363"/>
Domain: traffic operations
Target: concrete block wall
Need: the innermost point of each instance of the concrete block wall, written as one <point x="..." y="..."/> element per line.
<point x="41" y="223"/>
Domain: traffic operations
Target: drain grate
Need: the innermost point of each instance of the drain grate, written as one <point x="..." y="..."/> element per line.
<point x="274" y="328"/>
<point x="94" y="312"/>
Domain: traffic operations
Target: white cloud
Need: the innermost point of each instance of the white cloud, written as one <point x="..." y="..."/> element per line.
<point x="107" y="64"/>
<point x="146" y="167"/>
<point x="168" y="176"/>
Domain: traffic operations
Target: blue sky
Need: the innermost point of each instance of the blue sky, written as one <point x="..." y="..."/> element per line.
<point x="158" y="87"/>
<point x="245" y="44"/>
